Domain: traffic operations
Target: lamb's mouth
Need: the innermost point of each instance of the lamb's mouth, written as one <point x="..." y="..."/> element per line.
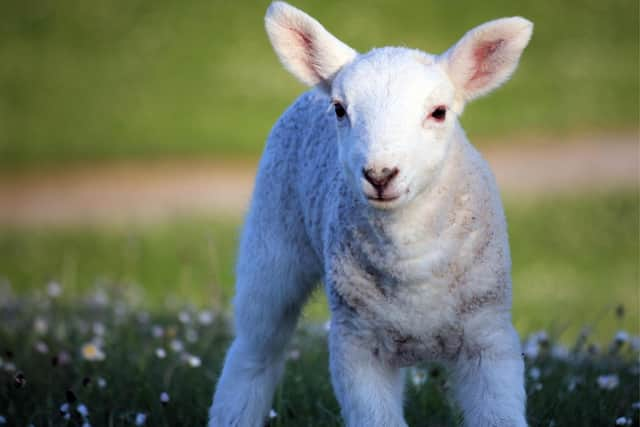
<point x="381" y="198"/>
<point x="383" y="201"/>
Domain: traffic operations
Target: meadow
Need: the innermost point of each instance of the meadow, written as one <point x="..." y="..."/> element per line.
<point x="107" y="363"/>
<point x="112" y="318"/>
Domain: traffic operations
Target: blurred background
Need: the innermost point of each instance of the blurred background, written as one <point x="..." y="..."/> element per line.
<point x="130" y="132"/>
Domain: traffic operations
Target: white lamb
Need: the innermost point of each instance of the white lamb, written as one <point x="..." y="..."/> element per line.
<point x="369" y="184"/>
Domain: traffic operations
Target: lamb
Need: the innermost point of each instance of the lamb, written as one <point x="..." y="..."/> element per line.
<point x="369" y="185"/>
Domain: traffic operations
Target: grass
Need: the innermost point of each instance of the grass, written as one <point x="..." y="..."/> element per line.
<point x="127" y="292"/>
<point x="126" y="79"/>
<point x="573" y="260"/>
<point x="46" y="372"/>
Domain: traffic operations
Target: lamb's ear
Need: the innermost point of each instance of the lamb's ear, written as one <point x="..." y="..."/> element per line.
<point x="486" y="57"/>
<point x="304" y="47"/>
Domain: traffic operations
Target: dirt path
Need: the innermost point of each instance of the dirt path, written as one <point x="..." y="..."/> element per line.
<point x="137" y="192"/>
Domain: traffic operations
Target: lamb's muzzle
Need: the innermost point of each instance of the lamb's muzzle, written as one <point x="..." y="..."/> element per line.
<point x="379" y="180"/>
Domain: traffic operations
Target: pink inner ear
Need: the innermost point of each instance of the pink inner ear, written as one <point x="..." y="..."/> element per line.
<point x="307" y="44"/>
<point x="485" y="60"/>
<point x="304" y="38"/>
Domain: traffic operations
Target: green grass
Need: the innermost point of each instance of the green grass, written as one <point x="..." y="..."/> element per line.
<point x="80" y="81"/>
<point x="574" y="260"/>
<point x="575" y="266"/>
<point x="566" y="393"/>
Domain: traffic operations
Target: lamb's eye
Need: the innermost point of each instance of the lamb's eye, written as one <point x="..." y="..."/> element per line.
<point x="340" y="111"/>
<point x="439" y="113"/>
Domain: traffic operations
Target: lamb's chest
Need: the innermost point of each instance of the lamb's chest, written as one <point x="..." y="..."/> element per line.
<point x="405" y="315"/>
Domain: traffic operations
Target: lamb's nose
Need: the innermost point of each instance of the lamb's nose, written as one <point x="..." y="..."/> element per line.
<point x="380" y="178"/>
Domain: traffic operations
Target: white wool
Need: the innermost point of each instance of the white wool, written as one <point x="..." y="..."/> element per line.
<point x="416" y="267"/>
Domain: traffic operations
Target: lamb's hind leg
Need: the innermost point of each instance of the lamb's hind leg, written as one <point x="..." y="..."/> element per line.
<point x="273" y="283"/>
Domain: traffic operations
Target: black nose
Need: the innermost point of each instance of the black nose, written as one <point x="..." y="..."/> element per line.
<point x="380" y="179"/>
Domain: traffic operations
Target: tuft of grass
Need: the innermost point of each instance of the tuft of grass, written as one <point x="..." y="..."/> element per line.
<point x="126" y="79"/>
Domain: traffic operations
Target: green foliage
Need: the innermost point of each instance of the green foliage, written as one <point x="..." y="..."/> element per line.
<point x="81" y="81"/>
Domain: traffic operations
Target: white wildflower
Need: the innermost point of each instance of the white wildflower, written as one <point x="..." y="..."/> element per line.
<point x="635" y="405"/>
<point x="294" y="354"/>
<point x="141" y="419"/>
<point x="560" y="352"/>
<point x="541" y="336"/>
<point x="418" y="376"/>
<point x="82" y="410"/>
<point x="40" y="325"/>
<point x="608" y="382"/>
<point x="164" y="398"/>
<point x="621" y="337"/>
<point x="64" y="408"/>
<point x="623" y="421"/>
<point x="100" y="297"/>
<point x="41" y="347"/>
<point x="184" y="317"/>
<point x="534" y="373"/>
<point x="54" y="290"/>
<point x="272" y="414"/>
<point x="531" y="349"/>
<point x="176" y="345"/>
<point x="194" y="361"/>
<point x="161" y="353"/>
<point x="92" y="352"/>
<point x="205" y="317"/>
<point x="157" y="331"/>
<point x="102" y="383"/>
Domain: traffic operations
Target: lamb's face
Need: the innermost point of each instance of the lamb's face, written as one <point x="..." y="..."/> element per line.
<point x="395" y="108"/>
<point x="394" y="123"/>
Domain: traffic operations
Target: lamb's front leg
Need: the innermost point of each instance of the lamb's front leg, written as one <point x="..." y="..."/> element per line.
<point x="369" y="391"/>
<point x="488" y="378"/>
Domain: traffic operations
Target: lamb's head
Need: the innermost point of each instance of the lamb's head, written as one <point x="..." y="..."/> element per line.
<point x="395" y="108"/>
